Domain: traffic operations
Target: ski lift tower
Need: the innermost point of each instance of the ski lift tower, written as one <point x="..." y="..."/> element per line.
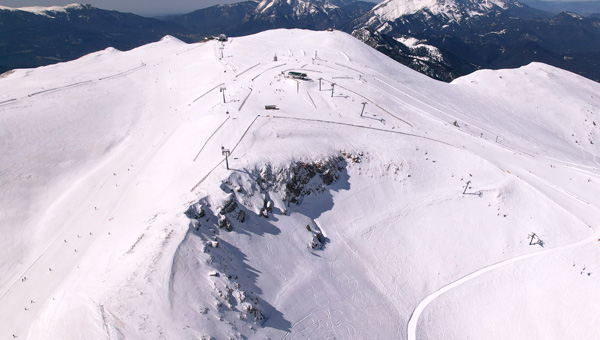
<point x="222" y="89"/>
<point x="226" y="153"/>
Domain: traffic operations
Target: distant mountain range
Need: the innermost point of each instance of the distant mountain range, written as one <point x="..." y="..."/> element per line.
<point x="251" y="17"/>
<point x="34" y="37"/>
<point x="585" y="8"/>
<point x="443" y="39"/>
<point x="492" y="34"/>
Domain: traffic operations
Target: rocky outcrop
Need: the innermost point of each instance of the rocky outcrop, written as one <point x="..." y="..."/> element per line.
<point x="257" y="196"/>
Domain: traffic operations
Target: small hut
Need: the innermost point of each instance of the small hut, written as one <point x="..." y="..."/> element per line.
<point x="297" y="75"/>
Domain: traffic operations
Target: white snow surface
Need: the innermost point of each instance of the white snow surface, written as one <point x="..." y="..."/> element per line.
<point x="101" y="156"/>
<point x="393" y="9"/>
<point x="434" y="52"/>
<point x="300" y="7"/>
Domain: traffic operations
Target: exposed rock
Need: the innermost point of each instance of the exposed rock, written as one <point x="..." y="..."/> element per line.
<point x="264" y="191"/>
<point x="195" y="211"/>
<point x="229" y="206"/>
<point x="223" y="222"/>
<point x="241" y="216"/>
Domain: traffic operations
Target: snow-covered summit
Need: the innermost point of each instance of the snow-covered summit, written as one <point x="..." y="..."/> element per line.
<point x="46" y="11"/>
<point x="299" y="7"/>
<point x="391" y="10"/>
<point x="362" y="200"/>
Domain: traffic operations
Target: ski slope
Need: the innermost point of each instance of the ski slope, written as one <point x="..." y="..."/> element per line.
<point x="423" y="203"/>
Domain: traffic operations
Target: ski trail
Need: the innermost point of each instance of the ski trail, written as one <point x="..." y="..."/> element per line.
<point x="556" y="187"/>
<point x="207" y="92"/>
<point x="270" y="68"/>
<point x="414" y="318"/>
<point x="371" y="101"/>
<point x="416" y="314"/>
<point x="210" y="137"/>
<point x="244" y="101"/>
<point x="193" y="48"/>
<point x="246" y="70"/>
<point x="452" y="117"/>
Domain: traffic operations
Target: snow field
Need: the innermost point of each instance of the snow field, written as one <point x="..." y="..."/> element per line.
<point x="110" y="165"/>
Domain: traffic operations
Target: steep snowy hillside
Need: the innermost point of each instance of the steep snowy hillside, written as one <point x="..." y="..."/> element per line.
<point x="391" y="10"/>
<point x="371" y="202"/>
<point x="471" y="35"/>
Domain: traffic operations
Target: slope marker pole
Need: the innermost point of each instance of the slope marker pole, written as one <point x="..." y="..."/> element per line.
<point x="363" y="109"/>
<point x="466" y="187"/>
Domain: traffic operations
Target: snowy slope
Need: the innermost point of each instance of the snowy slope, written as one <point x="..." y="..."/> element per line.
<point x="369" y="231"/>
<point x="391" y="10"/>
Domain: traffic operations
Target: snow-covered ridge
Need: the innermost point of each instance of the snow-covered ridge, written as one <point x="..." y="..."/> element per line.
<point x="393" y="9"/>
<point x="347" y="212"/>
<point x="300" y="7"/>
<point x="39" y="10"/>
<point x="433" y="52"/>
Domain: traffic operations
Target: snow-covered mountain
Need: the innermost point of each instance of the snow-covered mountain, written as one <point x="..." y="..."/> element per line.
<point x="443" y="12"/>
<point x="50" y="12"/>
<point x="299" y="8"/>
<point x="586" y="8"/>
<point x="451" y="38"/>
<point x="373" y="202"/>
<point x="250" y="17"/>
<point x="391" y="10"/>
<point x="37" y="36"/>
<point x="490" y="34"/>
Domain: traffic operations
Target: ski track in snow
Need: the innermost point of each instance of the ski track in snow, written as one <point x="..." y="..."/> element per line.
<point x="477" y="125"/>
<point x="210" y="137"/>
<point x="207" y="92"/>
<point x="416" y="314"/>
<point x="70" y="86"/>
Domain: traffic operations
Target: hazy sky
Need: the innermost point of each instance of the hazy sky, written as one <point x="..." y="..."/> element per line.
<point x="142" y="7"/>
